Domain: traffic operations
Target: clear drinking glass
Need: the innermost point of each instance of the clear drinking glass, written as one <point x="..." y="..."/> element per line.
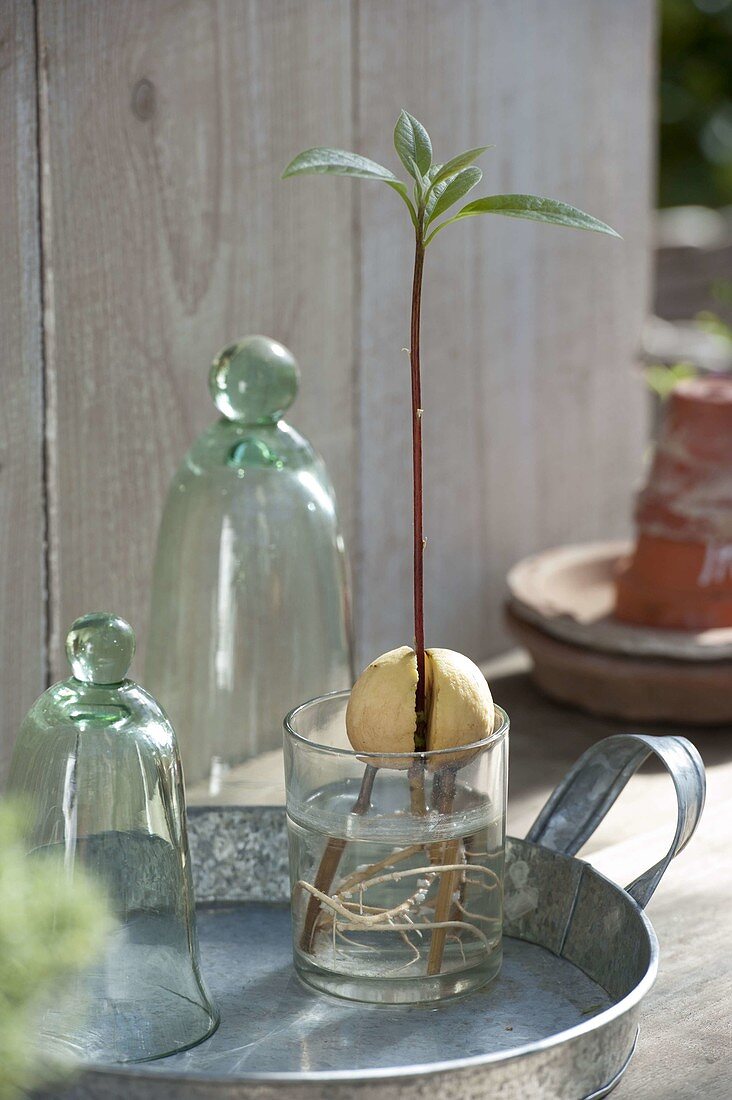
<point x="392" y="905"/>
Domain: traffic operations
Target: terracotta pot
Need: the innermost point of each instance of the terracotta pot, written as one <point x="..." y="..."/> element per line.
<point x="680" y="573"/>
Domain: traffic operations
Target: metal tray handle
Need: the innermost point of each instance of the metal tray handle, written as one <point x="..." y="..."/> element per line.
<point x="591" y="786"/>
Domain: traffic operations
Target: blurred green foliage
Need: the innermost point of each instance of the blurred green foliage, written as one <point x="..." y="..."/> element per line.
<point x="696" y="103"/>
<point x="663" y="380"/>
<point x="50" y="928"/>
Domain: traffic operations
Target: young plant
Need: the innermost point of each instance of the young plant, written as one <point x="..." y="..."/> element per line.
<point x="433" y="190"/>
<point x="380" y="717"/>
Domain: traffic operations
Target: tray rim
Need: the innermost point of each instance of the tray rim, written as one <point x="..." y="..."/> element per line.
<point x="605" y="1017"/>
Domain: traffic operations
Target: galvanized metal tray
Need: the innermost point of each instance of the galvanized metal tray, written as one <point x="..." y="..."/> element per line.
<point x="560" y="1021"/>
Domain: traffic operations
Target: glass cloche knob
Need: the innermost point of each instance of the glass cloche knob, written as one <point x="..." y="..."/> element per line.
<point x="100" y="648"/>
<point x="254" y="380"/>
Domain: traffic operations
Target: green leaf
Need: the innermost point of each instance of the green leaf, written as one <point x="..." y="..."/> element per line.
<point x="412" y="143"/>
<point x="401" y="189"/>
<point x="336" y="162"/>
<point x="463" y="160"/>
<point x="454" y="190"/>
<point x="433" y="195"/>
<point x="532" y="207"/>
<point x="420" y="180"/>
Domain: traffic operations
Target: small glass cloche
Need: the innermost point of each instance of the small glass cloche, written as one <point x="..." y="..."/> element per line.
<point x="97" y="774"/>
<point x="250" y="607"/>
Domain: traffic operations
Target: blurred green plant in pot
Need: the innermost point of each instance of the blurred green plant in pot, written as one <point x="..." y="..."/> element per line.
<point x="662" y="378"/>
<point x="50" y="927"/>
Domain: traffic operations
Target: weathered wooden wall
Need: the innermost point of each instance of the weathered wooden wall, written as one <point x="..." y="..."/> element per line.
<point x="163" y="231"/>
<point x="23" y="592"/>
<point x="533" y="424"/>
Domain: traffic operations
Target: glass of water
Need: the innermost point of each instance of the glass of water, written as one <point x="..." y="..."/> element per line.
<point x="396" y="861"/>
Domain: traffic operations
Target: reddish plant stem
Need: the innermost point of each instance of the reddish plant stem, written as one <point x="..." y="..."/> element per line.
<point x="420" y="734"/>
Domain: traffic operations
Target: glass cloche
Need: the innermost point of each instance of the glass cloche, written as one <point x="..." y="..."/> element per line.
<point x="250" y="607"/>
<point x="97" y="775"/>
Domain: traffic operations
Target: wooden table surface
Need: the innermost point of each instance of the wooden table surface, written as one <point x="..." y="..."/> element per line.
<point x="685" y="1046"/>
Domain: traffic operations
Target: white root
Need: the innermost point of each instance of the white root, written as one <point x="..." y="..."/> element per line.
<point x="345" y="914"/>
<point x="452" y="937"/>
<point x="430" y="870"/>
<point x="412" y="947"/>
<point x="488" y="887"/>
<point x="417" y="930"/>
<point x="355" y="916"/>
<point x="337" y="906"/>
<point x="360" y="907"/>
<point x="474" y="916"/>
<point x="365" y="873"/>
<point x="427" y="925"/>
<point x="357" y="908"/>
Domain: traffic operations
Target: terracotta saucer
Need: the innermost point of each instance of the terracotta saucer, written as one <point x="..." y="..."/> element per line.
<point x="635" y="688"/>
<point x="568" y="593"/>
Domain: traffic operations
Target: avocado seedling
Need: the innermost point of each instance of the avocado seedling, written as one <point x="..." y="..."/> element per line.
<point x="417" y="700"/>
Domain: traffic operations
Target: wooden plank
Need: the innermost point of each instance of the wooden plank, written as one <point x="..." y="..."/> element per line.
<point x="533" y="424"/>
<point x="169" y="234"/>
<point x="22" y="569"/>
<point x="684" y="1047"/>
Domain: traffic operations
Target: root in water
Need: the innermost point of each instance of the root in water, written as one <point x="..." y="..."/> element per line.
<point x="340" y="916"/>
<point x="330" y="860"/>
<point x="342" y="913"/>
